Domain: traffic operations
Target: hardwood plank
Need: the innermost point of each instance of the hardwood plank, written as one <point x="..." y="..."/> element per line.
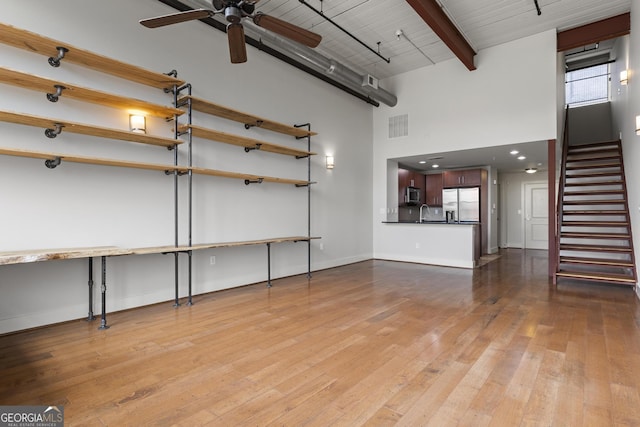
<point x="371" y="343"/>
<point x="46" y="46"/>
<point x="35" y="255"/>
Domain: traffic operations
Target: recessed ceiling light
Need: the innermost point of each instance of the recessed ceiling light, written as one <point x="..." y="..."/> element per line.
<point x="435" y="166"/>
<point x="514" y="152"/>
<point x="531" y="170"/>
<point x="521" y="157"/>
<point x="422" y="162"/>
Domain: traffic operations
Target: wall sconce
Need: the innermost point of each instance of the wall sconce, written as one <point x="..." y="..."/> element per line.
<point x="624" y="77"/>
<point x="330" y="162"/>
<point x="637" y="125"/>
<point x="137" y="123"/>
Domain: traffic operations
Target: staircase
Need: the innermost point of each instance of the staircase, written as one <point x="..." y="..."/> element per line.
<point x="594" y="229"/>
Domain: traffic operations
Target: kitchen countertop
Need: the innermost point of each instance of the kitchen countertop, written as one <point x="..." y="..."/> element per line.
<point x="432" y="222"/>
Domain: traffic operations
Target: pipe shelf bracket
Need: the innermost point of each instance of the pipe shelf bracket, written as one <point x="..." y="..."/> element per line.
<point x="55" y="62"/>
<point x="52" y="163"/>
<point x="258" y="123"/>
<point x="249" y="149"/>
<point x="53" y="97"/>
<point x="52" y="133"/>
<point x="253" y="181"/>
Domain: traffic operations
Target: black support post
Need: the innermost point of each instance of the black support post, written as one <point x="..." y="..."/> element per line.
<point x="90" y="316"/>
<point x="268" y="264"/>
<point x="103" y="319"/>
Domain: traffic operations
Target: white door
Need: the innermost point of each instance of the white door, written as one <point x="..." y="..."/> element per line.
<point x="536" y="216"/>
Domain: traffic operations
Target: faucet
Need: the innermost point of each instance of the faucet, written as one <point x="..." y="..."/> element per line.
<point x="424" y="205"/>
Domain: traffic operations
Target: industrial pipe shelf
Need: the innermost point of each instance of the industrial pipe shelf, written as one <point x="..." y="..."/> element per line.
<point x="249" y="120"/>
<point x="52" y="160"/>
<point x="249" y="144"/>
<point x="54" y="127"/>
<point x="56" y="89"/>
<point x="59" y="51"/>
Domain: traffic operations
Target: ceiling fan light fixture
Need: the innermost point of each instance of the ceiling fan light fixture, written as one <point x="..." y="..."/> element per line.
<point x="531" y="170"/>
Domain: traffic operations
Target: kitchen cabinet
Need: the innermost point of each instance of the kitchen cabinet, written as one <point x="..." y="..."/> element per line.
<point x="409" y="178"/>
<point x="462" y="178"/>
<point x="433" y="189"/>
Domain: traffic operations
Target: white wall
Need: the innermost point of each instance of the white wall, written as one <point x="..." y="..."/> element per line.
<point x="626" y="106"/>
<point x="510" y="98"/>
<point x="85" y="205"/>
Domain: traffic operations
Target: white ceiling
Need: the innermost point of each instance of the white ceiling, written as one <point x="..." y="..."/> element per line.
<point x="484" y="23"/>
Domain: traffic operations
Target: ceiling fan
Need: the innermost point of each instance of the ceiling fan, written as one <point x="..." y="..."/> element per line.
<point x="234" y="11"/>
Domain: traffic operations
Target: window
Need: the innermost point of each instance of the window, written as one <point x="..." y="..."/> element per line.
<point x="587" y="85"/>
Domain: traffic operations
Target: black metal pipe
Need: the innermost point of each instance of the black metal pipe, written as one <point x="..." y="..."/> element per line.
<point x="538" y="7"/>
<point x="319" y="12"/>
<point x="268" y="264"/>
<point x="103" y="318"/>
<point x="90" y="316"/>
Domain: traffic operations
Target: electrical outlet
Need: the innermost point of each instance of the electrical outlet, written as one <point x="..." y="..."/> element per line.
<point x="417" y="245"/>
<point x="322" y="246"/>
<point x="212" y="260"/>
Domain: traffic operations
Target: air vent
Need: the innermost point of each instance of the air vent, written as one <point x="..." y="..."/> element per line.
<point x="398" y="126"/>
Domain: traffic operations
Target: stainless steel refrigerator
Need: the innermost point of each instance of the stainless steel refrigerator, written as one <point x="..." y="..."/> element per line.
<point x="463" y="202"/>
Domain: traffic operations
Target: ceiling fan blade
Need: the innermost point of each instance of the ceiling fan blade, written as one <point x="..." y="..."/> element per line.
<point x="288" y="30"/>
<point x="237" y="46"/>
<point x="175" y="18"/>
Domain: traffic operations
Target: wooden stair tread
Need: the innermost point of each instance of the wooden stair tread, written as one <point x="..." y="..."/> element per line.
<point x="37" y="43"/>
<point x="596" y="261"/>
<point x="597" y="248"/>
<point x="594" y="212"/>
<point x="242" y="141"/>
<point x="593" y="192"/>
<point x="594" y="184"/>
<point x="244" y="118"/>
<point x="586" y="159"/>
<point x="84" y="129"/>
<point x="588" y="154"/>
<point x="580" y="235"/>
<point x="600" y="277"/>
<point x="595" y="223"/>
<point x="594" y="202"/>
<point x="28" y="81"/>
<point x="594" y="166"/>
<point x="593" y="145"/>
<point x="595" y="174"/>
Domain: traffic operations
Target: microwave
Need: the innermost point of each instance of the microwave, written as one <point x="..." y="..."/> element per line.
<point x="412" y="196"/>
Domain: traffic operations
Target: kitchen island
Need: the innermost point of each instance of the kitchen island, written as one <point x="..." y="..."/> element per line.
<point x="431" y="242"/>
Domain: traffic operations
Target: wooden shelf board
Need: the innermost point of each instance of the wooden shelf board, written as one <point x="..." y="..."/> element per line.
<point x="245" y="118"/>
<point x="37" y="43"/>
<point x="243" y="176"/>
<point x="242" y="141"/>
<point x="35" y="255"/>
<point x="46" y="123"/>
<point x="90" y="160"/>
<point x="43" y="84"/>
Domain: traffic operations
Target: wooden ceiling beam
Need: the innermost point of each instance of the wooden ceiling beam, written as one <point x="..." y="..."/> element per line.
<point x="595" y="32"/>
<point x="431" y="13"/>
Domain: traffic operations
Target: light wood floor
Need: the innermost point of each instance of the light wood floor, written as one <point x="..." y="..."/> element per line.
<point x="374" y="343"/>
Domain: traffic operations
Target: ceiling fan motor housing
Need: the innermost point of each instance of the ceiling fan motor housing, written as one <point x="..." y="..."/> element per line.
<point x="232" y="14"/>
